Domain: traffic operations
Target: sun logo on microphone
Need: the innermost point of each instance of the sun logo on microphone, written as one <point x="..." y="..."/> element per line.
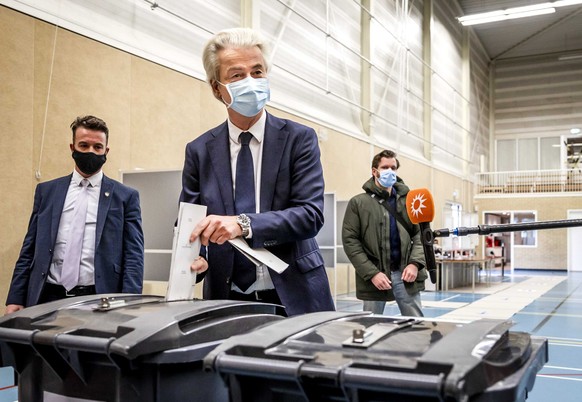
<point x="417" y="204"/>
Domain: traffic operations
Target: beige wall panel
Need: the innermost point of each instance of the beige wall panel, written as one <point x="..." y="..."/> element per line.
<point x="414" y="174"/>
<point x="16" y="107"/>
<point x="87" y="78"/>
<point x="551" y="251"/>
<point x="49" y="158"/>
<point x="442" y="191"/>
<point x="168" y="110"/>
<point x="212" y="112"/>
<point x="346" y="164"/>
<point x="346" y="160"/>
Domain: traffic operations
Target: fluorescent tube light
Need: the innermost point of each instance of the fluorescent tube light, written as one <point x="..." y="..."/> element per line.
<point x="570" y="57"/>
<point x="516" y="12"/>
<point x="563" y="3"/>
<point x="502" y="16"/>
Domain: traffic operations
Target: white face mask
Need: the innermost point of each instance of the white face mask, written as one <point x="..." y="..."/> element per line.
<point x="248" y="96"/>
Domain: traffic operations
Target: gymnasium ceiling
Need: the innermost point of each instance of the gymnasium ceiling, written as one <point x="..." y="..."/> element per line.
<point x="559" y="33"/>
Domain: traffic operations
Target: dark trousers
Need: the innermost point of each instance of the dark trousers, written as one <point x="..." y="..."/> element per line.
<point x="52" y="292"/>
<point x="263" y="296"/>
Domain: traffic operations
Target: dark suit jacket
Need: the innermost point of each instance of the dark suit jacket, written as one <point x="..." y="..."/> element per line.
<point x="291" y="207"/>
<point x="119" y="245"/>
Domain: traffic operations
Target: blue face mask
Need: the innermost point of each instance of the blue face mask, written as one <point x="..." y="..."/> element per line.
<point x="248" y="96"/>
<point x="387" y="178"/>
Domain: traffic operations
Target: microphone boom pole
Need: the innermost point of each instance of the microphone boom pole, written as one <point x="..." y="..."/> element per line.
<point x="420" y="210"/>
<point x="508" y="227"/>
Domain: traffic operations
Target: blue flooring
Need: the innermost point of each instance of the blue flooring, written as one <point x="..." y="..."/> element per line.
<point x="556" y="315"/>
<point x="8" y="392"/>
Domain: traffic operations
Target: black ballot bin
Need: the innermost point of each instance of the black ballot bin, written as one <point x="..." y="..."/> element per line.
<point x="121" y="347"/>
<point x="362" y="357"/>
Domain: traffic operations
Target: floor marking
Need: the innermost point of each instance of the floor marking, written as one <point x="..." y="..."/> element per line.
<point x="508" y="301"/>
<point x="563" y="368"/>
<point x="560" y="377"/>
<point x="545" y="320"/>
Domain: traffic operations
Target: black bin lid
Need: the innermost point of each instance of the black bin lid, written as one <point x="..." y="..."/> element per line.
<point x="392" y="355"/>
<point x="132" y="326"/>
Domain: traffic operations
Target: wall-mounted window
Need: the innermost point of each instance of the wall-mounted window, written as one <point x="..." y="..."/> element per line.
<point x="525" y="237"/>
<point x="506" y="155"/>
<point x="542" y="153"/>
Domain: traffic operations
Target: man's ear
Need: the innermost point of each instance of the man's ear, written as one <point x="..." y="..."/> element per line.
<point x="215" y="89"/>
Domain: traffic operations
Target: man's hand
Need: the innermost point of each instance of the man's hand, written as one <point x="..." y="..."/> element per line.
<point x="410" y="273"/>
<point x="216" y="229"/>
<point x="381" y="281"/>
<point x="199" y="265"/>
<point x="12" y="308"/>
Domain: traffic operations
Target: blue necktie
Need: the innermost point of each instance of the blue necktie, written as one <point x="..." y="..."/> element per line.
<point x="245" y="272"/>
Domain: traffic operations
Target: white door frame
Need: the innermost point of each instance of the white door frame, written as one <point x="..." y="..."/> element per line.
<point x="571" y="247"/>
<point x="508" y="247"/>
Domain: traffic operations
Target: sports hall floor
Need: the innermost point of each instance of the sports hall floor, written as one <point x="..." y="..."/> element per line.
<point x="544" y="303"/>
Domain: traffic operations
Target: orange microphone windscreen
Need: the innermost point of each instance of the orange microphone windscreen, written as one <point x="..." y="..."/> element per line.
<point x="419" y="205"/>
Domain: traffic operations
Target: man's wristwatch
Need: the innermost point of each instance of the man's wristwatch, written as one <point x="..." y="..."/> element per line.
<point x="245" y="224"/>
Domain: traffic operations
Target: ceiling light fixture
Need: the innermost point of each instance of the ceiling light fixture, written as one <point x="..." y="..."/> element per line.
<point x="503" y="15"/>
<point x="516" y="12"/>
<point x="567" y="57"/>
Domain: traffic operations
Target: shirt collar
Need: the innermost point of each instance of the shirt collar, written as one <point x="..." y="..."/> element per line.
<point x="257" y="129"/>
<point x="95" y="180"/>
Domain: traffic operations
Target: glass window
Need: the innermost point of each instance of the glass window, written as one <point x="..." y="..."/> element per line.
<point x="506" y="156"/>
<point x="525" y="237"/>
<point x="452" y="218"/>
<point x="527" y="151"/>
<point x="550" y="153"/>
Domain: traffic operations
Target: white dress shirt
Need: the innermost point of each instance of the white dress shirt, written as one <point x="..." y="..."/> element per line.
<point x="87" y="268"/>
<point x="263" y="281"/>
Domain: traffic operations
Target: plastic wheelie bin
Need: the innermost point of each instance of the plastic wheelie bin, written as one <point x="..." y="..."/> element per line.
<point x="121" y="347"/>
<point x="362" y="357"/>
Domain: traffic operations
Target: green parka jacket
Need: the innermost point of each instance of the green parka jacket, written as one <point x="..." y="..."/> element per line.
<point x="366" y="240"/>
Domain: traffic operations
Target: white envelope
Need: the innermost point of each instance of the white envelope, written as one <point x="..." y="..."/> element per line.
<point x="182" y="278"/>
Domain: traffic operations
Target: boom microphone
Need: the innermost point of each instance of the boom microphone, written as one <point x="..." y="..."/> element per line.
<point x="507" y="227"/>
<point x="420" y="210"/>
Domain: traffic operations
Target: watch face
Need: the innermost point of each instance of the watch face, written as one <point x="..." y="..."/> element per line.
<point x="244" y="222"/>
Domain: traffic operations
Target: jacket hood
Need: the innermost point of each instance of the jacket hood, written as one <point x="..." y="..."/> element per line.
<point x="370" y="187"/>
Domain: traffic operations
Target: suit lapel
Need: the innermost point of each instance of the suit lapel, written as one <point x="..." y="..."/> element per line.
<point x="105" y="197"/>
<point x="275" y="139"/>
<point x="59" y="192"/>
<point x="219" y="155"/>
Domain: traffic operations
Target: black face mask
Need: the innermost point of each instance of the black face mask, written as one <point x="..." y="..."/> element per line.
<point x="88" y="162"/>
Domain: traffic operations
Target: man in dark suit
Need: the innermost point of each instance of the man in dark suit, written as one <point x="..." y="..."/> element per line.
<point x="279" y="207"/>
<point x="110" y="253"/>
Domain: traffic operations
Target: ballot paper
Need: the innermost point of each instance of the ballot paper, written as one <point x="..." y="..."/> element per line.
<point x="259" y="255"/>
<point x="182" y="278"/>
